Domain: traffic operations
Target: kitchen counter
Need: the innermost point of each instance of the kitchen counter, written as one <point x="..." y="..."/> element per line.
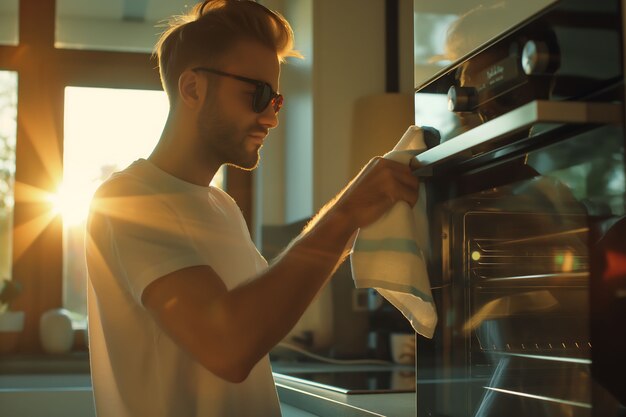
<point x="327" y="402"/>
<point x="60" y="377"/>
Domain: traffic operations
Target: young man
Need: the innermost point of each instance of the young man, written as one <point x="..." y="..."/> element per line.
<point x="183" y="310"/>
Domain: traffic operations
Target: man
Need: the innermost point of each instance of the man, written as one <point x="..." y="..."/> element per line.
<point x="183" y="310"/>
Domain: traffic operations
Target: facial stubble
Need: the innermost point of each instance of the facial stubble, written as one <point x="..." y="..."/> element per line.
<point x="224" y="142"/>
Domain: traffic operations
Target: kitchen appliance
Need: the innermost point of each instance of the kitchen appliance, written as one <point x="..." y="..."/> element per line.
<point x="525" y="179"/>
<point x="351" y="380"/>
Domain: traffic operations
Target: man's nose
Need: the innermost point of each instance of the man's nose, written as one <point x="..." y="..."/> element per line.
<point x="268" y="117"/>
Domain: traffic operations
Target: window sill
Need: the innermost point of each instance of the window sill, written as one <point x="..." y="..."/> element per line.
<point x="71" y="363"/>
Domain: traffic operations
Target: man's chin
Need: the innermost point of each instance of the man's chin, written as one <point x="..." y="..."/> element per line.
<point x="247" y="166"/>
<point x="244" y="168"/>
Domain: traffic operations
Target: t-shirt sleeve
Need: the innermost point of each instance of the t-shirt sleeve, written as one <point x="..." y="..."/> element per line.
<point x="140" y="237"/>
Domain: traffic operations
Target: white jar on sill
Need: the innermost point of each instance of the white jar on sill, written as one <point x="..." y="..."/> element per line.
<point x="55" y="331"/>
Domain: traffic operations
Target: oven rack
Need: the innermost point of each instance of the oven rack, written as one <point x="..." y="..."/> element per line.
<point x="571" y="347"/>
<point x="551" y="280"/>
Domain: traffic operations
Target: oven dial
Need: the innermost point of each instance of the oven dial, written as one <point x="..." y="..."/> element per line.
<point x="537" y="58"/>
<point x="462" y="99"/>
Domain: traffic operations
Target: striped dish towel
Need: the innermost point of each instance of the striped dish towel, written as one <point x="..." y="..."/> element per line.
<point x="387" y="255"/>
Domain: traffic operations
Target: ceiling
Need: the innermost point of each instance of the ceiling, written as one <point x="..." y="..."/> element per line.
<point x="132" y="10"/>
<point x="135" y="10"/>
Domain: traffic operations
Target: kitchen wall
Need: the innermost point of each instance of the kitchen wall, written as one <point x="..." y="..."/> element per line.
<point x="307" y="159"/>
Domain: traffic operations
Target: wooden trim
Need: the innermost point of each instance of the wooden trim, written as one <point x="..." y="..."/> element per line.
<point x="37" y="238"/>
<point x="9" y="58"/>
<point x="36" y="24"/>
<point x="37" y="246"/>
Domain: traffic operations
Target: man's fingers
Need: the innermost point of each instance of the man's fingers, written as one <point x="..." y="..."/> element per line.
<point x="407" y="190"/>
<point x="407" y="184"/>
<point x="379" y="186"/>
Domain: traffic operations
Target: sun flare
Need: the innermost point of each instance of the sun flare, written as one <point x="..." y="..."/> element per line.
<point x="72" y="201"/>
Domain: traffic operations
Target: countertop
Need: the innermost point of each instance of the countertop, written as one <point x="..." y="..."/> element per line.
<point x="303" y="396"/>
<point x="325" y="402"/>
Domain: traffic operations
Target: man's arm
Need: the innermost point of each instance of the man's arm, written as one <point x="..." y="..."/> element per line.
<point x="228" y="332"/>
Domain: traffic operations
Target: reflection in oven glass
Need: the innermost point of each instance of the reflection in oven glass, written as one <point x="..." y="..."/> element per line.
<point x="528" y="285"/>
<point x="519" y="262"/>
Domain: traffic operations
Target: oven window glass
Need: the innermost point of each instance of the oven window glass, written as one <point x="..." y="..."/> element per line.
<point x="517" y="262"/>
<point x="446" y="31"/>
<point x="590" y="167"/>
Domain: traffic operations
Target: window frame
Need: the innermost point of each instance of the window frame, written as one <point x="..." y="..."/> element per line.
<point x="43" y="73"/>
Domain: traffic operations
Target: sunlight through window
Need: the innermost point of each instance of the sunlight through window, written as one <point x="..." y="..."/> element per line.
<point x="105" y="131"/>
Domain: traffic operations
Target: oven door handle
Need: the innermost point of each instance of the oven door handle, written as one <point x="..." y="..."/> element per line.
<point x="496" y="131"/>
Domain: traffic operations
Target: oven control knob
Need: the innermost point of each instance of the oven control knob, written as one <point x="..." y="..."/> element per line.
<point x="432" y="137"/>
<point x="462" y="99"/>
<point x="537" y="58"/>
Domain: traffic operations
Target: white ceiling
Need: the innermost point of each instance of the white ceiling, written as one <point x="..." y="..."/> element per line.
<point x="148" y="10"/>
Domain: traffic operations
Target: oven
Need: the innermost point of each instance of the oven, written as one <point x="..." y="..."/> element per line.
<point x="526" y="193"/>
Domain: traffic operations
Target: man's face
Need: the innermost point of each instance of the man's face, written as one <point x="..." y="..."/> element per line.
<point x="230" y="131"/>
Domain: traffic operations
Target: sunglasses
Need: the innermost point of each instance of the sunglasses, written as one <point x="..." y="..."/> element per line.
<point x="263" y="95"/>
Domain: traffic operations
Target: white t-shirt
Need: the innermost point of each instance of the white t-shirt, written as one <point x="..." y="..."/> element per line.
<point x="144" y="224"/>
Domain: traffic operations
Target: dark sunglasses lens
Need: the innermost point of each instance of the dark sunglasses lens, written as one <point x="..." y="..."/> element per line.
<point x="262" y="98"/>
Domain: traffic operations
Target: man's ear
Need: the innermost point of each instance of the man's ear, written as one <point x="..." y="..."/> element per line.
<point x="189" y="86"/>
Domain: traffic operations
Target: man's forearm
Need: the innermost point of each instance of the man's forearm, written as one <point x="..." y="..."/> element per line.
<point x="268" y="307"/>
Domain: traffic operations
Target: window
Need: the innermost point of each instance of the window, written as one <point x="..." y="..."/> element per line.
<point x="8" y="22"/>
<point x="55" y="134"/>
<point x="8" y="111"/>
<point x="105" y="130"/>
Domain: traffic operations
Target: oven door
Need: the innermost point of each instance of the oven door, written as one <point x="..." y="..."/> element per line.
<point x="528" y="266"/>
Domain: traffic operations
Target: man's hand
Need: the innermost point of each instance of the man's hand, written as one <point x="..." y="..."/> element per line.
<point x="379" y="186"/>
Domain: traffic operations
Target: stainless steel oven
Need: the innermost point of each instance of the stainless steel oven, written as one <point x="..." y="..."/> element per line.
<point x="525" y="177"/>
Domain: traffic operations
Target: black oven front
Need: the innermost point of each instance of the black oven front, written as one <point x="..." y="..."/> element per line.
<point x="526" y="190"/>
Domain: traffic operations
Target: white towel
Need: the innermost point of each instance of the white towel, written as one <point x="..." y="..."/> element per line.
<point x="388" y="254"/>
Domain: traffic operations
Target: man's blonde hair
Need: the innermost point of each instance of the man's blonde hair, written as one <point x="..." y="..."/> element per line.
<point x="206" y="32"/>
